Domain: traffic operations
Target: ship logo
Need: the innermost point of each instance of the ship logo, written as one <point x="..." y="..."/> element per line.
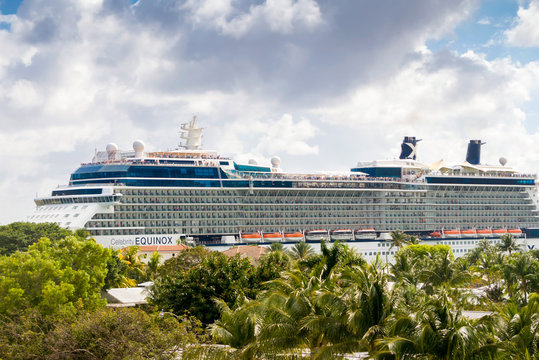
<point x="412" y="147"/>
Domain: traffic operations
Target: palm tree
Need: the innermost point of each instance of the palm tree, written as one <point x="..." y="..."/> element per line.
<point x="237" y="328"/>
<point x="302" y="250"/>
<point x="508" y="243"/>
<point x="442" y="270"/>
<point x="289" y="301"/>
<point x="129" y="256"/>
<point x="438" y="331"/>
<point x="153" y="265"/>
<point x="398" y="239"/>
<point x="413" y="240"/>
<point x="518" y="330"/>
<point x="522" y="268"/>
<point x="276" y="247"/>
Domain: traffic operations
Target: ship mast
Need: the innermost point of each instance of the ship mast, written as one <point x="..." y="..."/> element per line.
<point x="191" y="135"/>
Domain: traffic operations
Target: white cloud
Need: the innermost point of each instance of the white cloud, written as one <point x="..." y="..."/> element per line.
<point x="484" y="21"/>
<point x="447" y="99"/>
<point x="526" y="32"/>
<point x="280" y="16"/>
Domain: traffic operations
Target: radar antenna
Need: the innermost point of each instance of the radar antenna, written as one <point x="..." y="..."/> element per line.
<point x="191" y="135"/>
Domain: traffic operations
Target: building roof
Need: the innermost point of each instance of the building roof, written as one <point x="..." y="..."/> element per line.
<point x="126" y="296"/>
<point x="253" y="252"/>
<point x="163" y="248"/>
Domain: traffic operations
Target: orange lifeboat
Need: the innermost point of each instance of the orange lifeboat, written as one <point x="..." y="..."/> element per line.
<point x="293" y="236"/>
<point x="273" y="237"/>
<point x="435" y="234"/>
<point x="515" y="232"/>
<point x="484" y="233"/>
<point x="499" y="232"/>
<point x="455" y="233"/>
<point x="251" y="237"/>
<point x="468" y="233"/>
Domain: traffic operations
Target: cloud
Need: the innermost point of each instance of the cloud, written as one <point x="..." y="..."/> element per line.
<point x="484" y="21"/>
<point x="526" y="32"/>
<point x="447" y="99"/>
<point x="280" y="16"/>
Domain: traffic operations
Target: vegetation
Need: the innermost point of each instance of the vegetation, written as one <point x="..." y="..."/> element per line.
<point x="289" y="304"/>
<point x="19" y="236"/>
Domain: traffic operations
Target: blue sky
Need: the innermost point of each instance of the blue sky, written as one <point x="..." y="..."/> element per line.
<point x="483" y="32"/>
<point x="322" y="84"/>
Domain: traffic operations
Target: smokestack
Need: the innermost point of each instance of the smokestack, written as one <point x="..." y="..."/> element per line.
<point x="408" y="145"/>
<point x="473" y="155"/>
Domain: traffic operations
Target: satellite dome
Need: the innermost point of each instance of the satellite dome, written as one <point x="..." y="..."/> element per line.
<point x="253" y="162"/>
<point x="503" y="161"/>
<point x="275" y="161"/>
<point x="111" y="148"/>
<point x="138" y="145"/>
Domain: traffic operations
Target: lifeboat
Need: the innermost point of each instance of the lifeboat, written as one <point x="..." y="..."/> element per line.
<point x="273" y="236"/>
<point x="316" y="235"/>
<point x="342" y="234"/>
<point x="365" y="234"/>
<point x="469" y="233"/>
<point x="499" y="232"/>
<point x="435" y="234"/>
<point x="484" y="233"/>
<point x="251" y="237"/>
<point x="455" y="233"/>
<point x="515" y="232"/>
<point x="293" y="236"/>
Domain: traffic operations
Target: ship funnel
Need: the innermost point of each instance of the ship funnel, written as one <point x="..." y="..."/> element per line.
<point x="473" y="155"/>
<point x="408" y="147"/>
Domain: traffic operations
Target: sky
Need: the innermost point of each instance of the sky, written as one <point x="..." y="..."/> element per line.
<point x="322" y="84"/>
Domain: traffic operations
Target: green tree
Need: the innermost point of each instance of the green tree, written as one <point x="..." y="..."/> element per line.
<point x="194" y="290"/>
<point x="289" y="301"/>
<point x="124" y="333"/>
<point x="518" y="330"/>
<point x="398" y="239"/>
<point x="136" y="269"/>
<point x="331" y="259"/>
<point x="53" y="278"/>
<point x="271" y="265"/>
<point x="237" y="328"/>
<point x="522" y="268"/>
<point x="508" y="243"/>
<point x="117" y="273"/>
<point x="18" y="236"/>
<point x="302" y="250"/>
<point x="276" y="247"/>
<point x="437" y="331"/>
<point x="152" y="267"/>
<point x="184" y="261"/>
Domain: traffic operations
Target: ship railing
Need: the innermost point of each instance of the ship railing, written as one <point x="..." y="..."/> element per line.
<point x="483" y="174"/>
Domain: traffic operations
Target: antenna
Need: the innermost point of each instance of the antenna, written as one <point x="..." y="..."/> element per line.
<point x="191" y="135"/>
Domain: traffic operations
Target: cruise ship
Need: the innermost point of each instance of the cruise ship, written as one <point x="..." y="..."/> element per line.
<point x="188" y="194"/>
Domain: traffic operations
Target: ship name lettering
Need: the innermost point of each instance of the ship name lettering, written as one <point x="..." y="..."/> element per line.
<point x="121" y="242"/>
<point x="153" y="240"/>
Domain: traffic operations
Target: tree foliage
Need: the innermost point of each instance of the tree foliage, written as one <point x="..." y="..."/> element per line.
<point x="124" y="333"/>
<point x="53" y="278"/>
<point x="193" y="291"/>
<point x="18" y="236"/>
